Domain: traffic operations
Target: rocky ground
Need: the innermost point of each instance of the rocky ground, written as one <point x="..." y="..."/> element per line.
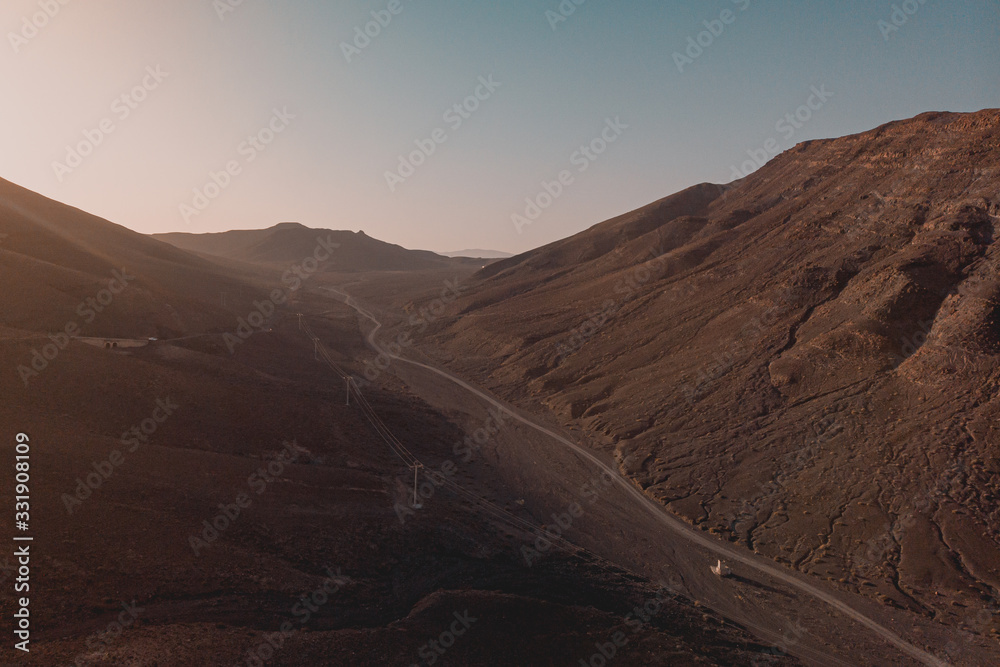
<point x="804" y="362"/>
<point x="317" y="567"/>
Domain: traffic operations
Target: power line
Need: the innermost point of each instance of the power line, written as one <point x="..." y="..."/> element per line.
<point x="411" y="461"/>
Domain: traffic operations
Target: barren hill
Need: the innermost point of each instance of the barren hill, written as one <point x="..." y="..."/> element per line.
<point x="290" y="241"/>
<point x="54" y="257"/>
<point x="805" y="361"/>
<point x="135" y="451"/>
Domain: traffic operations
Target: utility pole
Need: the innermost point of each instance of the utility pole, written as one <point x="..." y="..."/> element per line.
<point x="416" y="469"/>
<point x="348" y="381"/>
<point x="300" y="321"/>
<point x="316" y="348"/>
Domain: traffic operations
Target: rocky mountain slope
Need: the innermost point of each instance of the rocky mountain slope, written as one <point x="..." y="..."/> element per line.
<point x="53" y="258"/>
<point x="805" y="361"/>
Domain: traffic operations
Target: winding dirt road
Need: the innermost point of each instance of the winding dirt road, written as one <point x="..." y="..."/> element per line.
<point x="726" y="552"/>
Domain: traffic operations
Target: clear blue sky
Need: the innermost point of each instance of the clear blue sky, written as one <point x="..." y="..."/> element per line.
<point x="327" y="167"/>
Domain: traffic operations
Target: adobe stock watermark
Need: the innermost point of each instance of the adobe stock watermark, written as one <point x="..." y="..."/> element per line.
<point x="910" y="344"/>
<point x="637" y="620"/>
<point x="648" y="270"/>
<point x="32" y="25"/>
<point x="822" y="432"/>
<point x="722" y="362"/>
<point x="224" y="7"/>
<point x="99" y="641"/>
<point x="899" y="17"/>
<point x="137" y="436"/>
<point x="228" y="514"/>
<point x="432" y="651"/>
<point x="435" y="479"/>
<point x="582" y="158"/>
<point x="562" y="13"/>
<point x="787" y="126"/>
<point x="121" y="108"/>
<point x="293" y="278"/>
<point x="249" y="150"/>
<point x="419" y="321"/>
<point x="982" y="621"/>
<point x="889" y="538"/>
<point x="455" y="116"/>
<point x="546" y="536"/>
<point x="301" y="611"/>
<point x="791" y="636"/>
<point x="88" y="311"/>
<point x="697" y="44"/>
<point x="363" y="36"/>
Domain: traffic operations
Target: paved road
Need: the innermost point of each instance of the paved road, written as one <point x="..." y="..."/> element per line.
<point x="724" y="551"/>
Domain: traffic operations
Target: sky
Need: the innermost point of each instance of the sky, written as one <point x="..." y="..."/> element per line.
<point x="208" y="115"/>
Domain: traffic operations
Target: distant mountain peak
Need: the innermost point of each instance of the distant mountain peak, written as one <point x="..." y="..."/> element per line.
<point x="289" y="242"/>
